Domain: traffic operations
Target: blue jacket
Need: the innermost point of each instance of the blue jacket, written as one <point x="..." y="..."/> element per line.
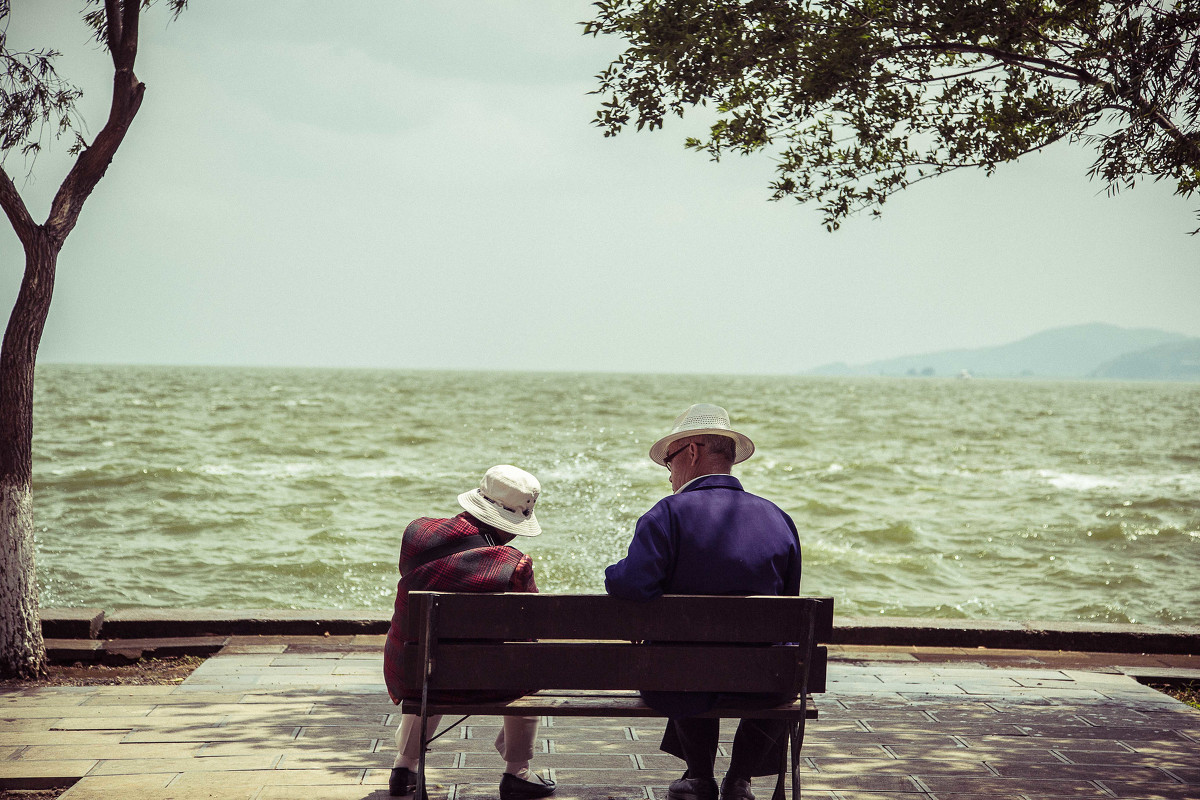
<point x="711" y="538"/>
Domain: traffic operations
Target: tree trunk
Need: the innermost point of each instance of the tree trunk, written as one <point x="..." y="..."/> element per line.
<point x="22" y="650"/>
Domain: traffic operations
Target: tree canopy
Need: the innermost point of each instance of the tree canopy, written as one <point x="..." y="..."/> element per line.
<point x="859" y="99"/>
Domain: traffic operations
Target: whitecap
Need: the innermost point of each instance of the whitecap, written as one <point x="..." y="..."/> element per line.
<point x="1077" y="482"/>
<point x="1138" y="483"/>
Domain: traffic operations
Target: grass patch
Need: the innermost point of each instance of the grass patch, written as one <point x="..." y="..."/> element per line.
<point x="1184" y="691"/>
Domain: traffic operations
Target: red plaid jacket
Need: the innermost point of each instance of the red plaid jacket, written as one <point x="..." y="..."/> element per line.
<point x="483" y="569"/>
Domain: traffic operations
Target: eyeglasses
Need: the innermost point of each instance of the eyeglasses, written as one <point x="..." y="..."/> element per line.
<point x="667" y="460"/>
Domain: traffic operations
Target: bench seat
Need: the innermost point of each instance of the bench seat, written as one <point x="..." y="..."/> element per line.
<point x="600" y="703"/>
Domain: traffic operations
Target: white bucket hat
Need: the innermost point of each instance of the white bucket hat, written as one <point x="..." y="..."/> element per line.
<point x="505" y="500"/>
<point x="698" y="420"/>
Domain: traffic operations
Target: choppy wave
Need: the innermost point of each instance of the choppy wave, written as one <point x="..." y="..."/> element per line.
<point x="289" y="488"/>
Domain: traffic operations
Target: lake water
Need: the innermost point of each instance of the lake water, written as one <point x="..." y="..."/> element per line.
<point x="274" y="488"/>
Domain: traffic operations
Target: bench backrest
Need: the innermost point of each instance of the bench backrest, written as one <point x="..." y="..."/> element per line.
<point x="684" y="642"/>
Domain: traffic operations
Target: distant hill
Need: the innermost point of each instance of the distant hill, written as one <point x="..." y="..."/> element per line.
<point x="1175" y="361"/>
<point x="1078" y="351"/>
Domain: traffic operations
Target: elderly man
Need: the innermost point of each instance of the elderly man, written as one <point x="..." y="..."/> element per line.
<point x="710" y="537"/>
<point x="466" y="553"/>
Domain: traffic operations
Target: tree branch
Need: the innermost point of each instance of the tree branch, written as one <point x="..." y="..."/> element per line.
<point x="1008" y="57"/>
<point x="1046" y="66"/>
<point x="15" y="208"/>
<point x="112" y="26"/>
<point x="954" y="76"/>
<point x="129" y="35"/>
<point x="92" y="163"/>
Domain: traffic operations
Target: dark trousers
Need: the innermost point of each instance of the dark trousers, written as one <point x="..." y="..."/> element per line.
<point x="759" y="746"/>
<point x="756" y="746"/>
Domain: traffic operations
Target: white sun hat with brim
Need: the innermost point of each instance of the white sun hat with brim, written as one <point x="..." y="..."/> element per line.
<point x="700" y="419"/>
<point x="505" y="500"/>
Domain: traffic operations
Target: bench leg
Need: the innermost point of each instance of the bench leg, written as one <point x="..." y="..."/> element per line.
<point x="779" y="782"/>
<point x="797" y="737"/>
<point x="420" y="792"/>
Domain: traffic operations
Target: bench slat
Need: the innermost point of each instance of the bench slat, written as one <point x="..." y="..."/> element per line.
<point x="672" y="618"/>
<point x="611" y="665"/>
<point x="609" y="704"/>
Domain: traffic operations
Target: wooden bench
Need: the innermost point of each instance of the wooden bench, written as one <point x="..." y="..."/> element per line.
<point x="589" y="654"/>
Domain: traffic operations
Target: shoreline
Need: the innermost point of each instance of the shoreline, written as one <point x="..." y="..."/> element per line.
<point x="95" y="624"/>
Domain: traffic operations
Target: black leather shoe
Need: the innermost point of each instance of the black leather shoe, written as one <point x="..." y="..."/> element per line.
<point x="402" y="782"/>
<point x="736" y="789"/>
<point x="514" y="788"/>
<point x="692" y="789"/>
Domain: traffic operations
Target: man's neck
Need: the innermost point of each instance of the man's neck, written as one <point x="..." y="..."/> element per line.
<point x="698" y="477"/>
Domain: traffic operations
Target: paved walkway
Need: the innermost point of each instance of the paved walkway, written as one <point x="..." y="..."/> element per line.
<point x="307" y="717"/>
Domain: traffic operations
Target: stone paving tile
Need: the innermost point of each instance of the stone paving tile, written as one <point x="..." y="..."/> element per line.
<point x="615" y="761"/>
<point x="570" y="746"/>
<point x="165" y="723"/>
<point x="111" y="750"/>
<point x="1165" y="748"/>
<point x="1135" y="774"/>
<point x="1018" y="744"/>
<point x="15" y="700"/>
<point x="119" y="786"/>
<point x="294" y="660"/>
<point x="1188" y="774"/>
<point x="942" y="784"/>
<point x="882" y="737"/>
<point x="1126" y="734"/>
<point x="26" y="738"/>
<point x="351" y="760"/>
<point x="1165" y="760"/>
<point x="335" y="793"/>
<point x="346" y="732"/>
<point x="953" y="751"/>
<point x="42" y="774"/>
<point x="145" y="766"/>
<point x="564" y="792"/>
<point x="583" y="775"/>
<point x="861" y="783"/>
<point x="175" y="697"/>
<point x="923" y="766"/>
<point x="273" y="777"/>
<point x="209" y="710"/>
<point x="12" y="725"/>
<point x="1134" y="791"/>
<point x="212" y="734"/>
<point x="237" y="648"/>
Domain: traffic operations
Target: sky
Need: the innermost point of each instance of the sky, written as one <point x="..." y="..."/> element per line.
<point x="420" y="186"/>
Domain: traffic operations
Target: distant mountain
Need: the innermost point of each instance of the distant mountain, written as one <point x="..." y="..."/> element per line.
<point x="1078" y="351"/>
<point x="1175" y="361"/>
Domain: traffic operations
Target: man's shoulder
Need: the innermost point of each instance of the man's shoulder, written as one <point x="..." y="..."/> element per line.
<point x="709" y="487"/>
<point x="738" y="500"/>
<point x="440" y="527"/>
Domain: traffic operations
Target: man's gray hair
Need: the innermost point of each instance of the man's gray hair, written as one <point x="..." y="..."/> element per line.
<point x="718" y="445"/>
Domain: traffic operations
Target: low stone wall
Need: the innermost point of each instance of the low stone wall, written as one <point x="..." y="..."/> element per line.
<point x="96" y="624"/>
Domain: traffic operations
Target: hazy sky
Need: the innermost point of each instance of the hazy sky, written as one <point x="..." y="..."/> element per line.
<point x="418" y="185"/>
